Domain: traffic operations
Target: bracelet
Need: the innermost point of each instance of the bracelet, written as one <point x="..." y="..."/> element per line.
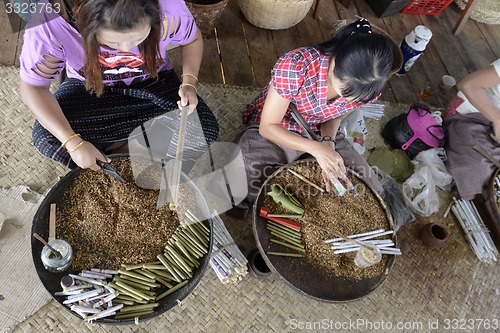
<point x="327" y="138"/>
<point x="67" y="140"/>
<point x="76" y="147"/>
<point x="189" y="85"/>
<point x="191" y="76"/>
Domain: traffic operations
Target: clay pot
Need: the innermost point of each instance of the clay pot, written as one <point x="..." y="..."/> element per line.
<point x="434" y="234"/>
<point x="257" y="267"/>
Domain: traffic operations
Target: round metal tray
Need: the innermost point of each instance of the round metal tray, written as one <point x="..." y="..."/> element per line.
<point x="303" y="276"/>
<point x="51" y="281"/>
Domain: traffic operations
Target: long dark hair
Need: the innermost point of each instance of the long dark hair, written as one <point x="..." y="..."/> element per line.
<point x="363" y="60"/>
<point x="118" y="15"/>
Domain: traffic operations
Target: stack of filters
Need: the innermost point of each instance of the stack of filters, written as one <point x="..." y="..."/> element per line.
<point x="227" y="261"/>
<point x="386" y="246"/>
<point x="475" y="230"/>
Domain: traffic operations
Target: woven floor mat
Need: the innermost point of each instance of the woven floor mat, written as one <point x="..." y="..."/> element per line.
<point x="425" y="284"/>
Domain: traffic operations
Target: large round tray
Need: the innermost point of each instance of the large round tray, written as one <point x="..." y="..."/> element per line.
<point x="303" y="276"/>
<point x="51" y="281"/>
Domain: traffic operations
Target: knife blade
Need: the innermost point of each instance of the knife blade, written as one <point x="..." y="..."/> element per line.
<point x="107" y="168"/>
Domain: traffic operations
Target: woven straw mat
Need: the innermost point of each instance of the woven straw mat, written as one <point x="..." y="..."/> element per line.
<point x="425" y="284"/>
<point x="486" y="11"/>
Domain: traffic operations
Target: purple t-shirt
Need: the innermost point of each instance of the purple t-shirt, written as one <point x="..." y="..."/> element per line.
<point x="49" y="34"/>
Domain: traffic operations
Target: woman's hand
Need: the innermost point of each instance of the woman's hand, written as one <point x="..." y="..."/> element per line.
<point x="86" y="156"/>
<point x="331" y="163"/>
<point x="188" y="97"/>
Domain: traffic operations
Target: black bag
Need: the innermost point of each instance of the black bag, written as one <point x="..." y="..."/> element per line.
<point x="414" y="131"/>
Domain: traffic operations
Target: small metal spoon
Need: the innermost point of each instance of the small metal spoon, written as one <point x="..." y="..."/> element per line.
<point x="57" y="253"/>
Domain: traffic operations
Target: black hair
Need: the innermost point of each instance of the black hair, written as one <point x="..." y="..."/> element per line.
<point x="363" y="61"/>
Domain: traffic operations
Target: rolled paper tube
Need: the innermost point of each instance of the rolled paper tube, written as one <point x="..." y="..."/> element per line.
<point x="348" y="184"/>
<point x="84" y="309"/>
<point x="144" y="272"/>
<point x="99" y="274"/>
<point x="105" y="300"/>
<point x="124" y="297"/>
<point x="287" y="245"/>
<point x="106" y="313"/>
<point x="195" y="232"/>
<point x="179" y="259"/>
<point x="157" y="267"/>
<point x="100" y="296"/>
<point x="289" y="240"/>
<point x="286" y="216"/>
<point x="289" y="223"/>
<point x="104" y="271"/>
<point x="78" y="287"/>
<point x="368" y="233"/>
<point x="164" y="282"/>
<point x="384" y="251"/>
<point x="169" y="267"/>
<point x="135" y="283"/>
<point x="202" y="228"/>
<point x="109" y="289"/>
<point x="285" y="254"/>
<point x="133" y="290"/>
<point x="162" y="274"/>
<point x="185" y="255"/>
<point x="82" y="297"/>
<point x="122" y="301"/>
<point x="136" y="308"/>
<point x="191" y="250"/>
<point x="171" y="290"/>
<point x="93" y="276"/>
<point x="92" y="281"/>
<point x="195" y="241"/>
<point x="124" y="291"/>
<point x="136" y="276"/>
<point x="132" y="267"/>
<point x="285" y="231"/>
<point x="127" y="315"/>
<point x="176" y="267"/>
<point x="68" y="293"/>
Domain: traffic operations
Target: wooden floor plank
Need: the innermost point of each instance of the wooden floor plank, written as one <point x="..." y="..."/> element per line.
<point x="327" y="18"/>
<point x="309" y="31"/>
<point x="492" y="35"/>
<point x="233" y="47"/>
<point x="472" y="47"/>
<point x="9" y="36"/>
<point x="285" y="40"/>
<point x="211" y="70"/>
<point x="262" y="52"/>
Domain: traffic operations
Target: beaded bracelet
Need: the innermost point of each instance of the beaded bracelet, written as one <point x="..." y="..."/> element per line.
<point x="76" y="147"/>
<point x="67" y="140"/>
<point x="189" y="85"/>
<point x="191" y="76"/>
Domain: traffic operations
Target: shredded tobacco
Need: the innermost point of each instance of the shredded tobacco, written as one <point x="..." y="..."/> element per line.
<point x="346" y="215"/>
<point x="109" y="223"/>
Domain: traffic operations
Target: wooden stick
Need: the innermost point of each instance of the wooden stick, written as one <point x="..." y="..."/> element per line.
<point x="337" y="234"/>
<point x="52" y="222"/>
<point x="176" y="173"/>
<point x="306" y="180"/>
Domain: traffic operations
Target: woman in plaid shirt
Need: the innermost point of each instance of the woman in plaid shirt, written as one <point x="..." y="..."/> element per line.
<point x="325" y="82"/>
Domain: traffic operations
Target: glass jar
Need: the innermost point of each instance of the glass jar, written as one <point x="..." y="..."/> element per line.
<point x="51" y="262"/>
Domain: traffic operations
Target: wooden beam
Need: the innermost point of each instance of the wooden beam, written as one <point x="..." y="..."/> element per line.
<point x="465" y="16"/>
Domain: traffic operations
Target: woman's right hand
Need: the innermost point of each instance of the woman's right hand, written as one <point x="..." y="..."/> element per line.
<point x="86" y="156"/>
<point x="331" y="163"/>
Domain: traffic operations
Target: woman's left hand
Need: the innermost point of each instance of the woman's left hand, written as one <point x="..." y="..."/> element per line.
<point x="188" y="97"/>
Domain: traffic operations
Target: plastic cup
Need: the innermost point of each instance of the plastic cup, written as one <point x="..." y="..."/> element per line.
<point x="367" y="256"/>
<point x="447" y="82"/>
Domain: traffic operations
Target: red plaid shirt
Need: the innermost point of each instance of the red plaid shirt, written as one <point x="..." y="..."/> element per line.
<point x="300" y="76"/>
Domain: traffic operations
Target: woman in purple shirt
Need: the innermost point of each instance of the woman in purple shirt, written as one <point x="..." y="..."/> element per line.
<point x="119" y="76"/>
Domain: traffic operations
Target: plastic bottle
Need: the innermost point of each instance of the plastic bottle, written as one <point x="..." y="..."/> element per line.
<point x="413" y="45"/>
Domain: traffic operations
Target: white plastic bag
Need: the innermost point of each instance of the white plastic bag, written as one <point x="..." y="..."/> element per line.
<point x="419" y="191"/>
<point x="354" y="128"/>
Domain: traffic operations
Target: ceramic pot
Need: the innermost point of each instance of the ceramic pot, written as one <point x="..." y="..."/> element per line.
<point x="434" y="234"/>
<point x="257" y="267"/>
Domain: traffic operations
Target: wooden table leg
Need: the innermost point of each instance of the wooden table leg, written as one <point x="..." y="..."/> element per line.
<point x="465" y="15"/>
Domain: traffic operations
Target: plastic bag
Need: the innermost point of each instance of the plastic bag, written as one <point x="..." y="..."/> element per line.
<point x="419" y="191"/>
<point x="355" y="131"/>
<point x="393" y="198"/>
